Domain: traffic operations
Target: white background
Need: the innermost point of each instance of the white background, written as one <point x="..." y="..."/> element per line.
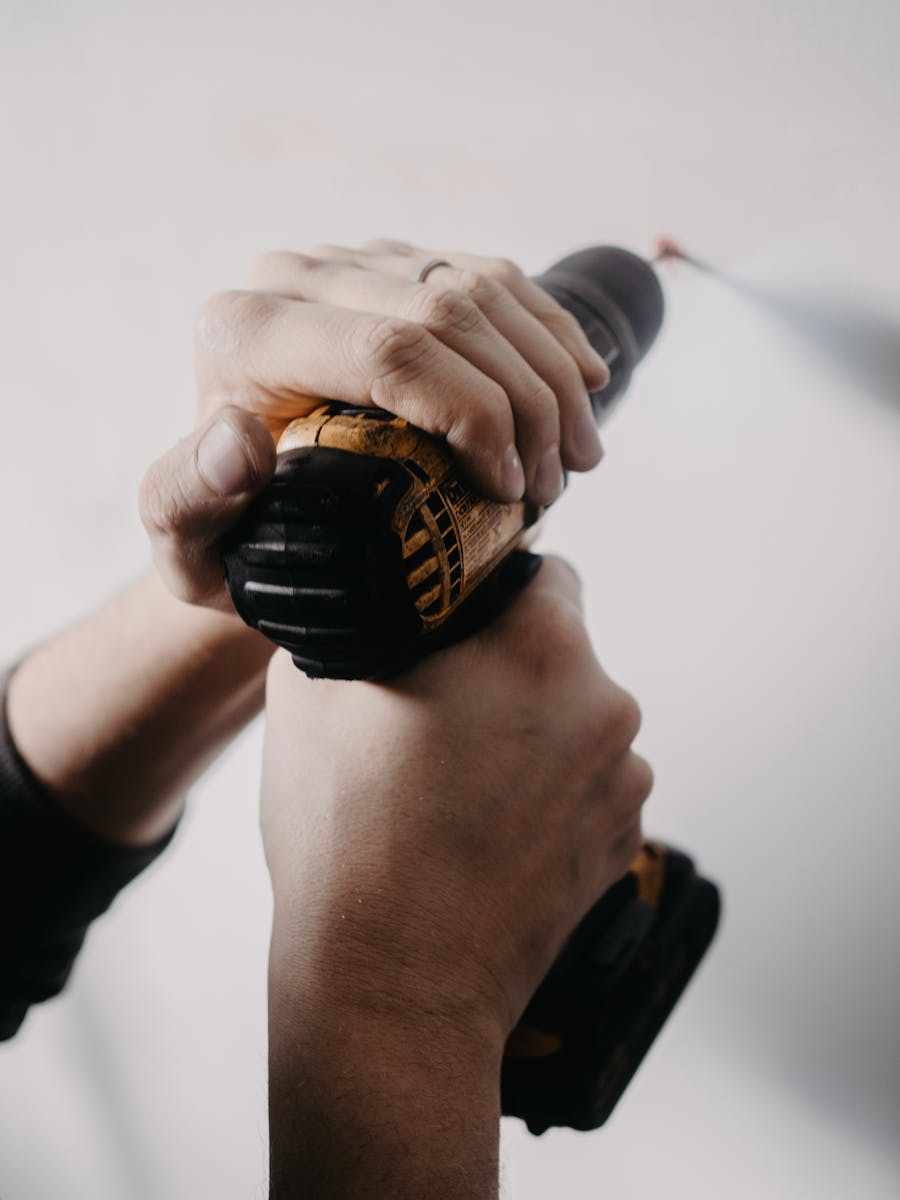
<point x="739" y="543"/>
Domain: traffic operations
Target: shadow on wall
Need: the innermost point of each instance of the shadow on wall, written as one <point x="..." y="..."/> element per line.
<point x="854" y="337"/>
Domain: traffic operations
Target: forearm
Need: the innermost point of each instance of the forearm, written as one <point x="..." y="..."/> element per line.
<point x="365" y="1102"/>
<point x="117" y="715"/>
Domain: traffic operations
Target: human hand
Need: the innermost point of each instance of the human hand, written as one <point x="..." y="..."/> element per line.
<point x="432" y="842"/>
<point x="477" y="354"/>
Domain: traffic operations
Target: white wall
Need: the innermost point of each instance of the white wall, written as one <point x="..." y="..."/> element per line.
<point x="739" y="542"/>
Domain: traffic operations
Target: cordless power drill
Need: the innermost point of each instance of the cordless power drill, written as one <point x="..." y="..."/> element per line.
<point x="370" y="550"/>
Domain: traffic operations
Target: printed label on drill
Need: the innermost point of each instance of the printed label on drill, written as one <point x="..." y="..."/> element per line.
<point x="485" y="528"/>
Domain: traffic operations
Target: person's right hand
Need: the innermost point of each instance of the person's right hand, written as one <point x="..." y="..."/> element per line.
<point x="442" y="834"/>
<point x="478" y="355"/>
<point x="431" y="842"/>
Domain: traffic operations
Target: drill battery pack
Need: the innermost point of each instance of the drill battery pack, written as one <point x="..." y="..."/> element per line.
<point x="595" y="1016"/>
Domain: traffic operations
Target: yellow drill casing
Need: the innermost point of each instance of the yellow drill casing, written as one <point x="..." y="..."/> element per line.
<point x="451" y="537"/>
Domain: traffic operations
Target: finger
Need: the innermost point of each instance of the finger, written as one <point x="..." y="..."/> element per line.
<point x="543" y="626"/>
<point x="191" y="496"/>
<point x="291" y="351"/>
<point x="329" y="252"/>
<point x="626" y="786"/>
<point x="549" y="339"/>
<point x="615" y="818"/>
<point x="579" y="443"/>
<point x="456" y="321"/>
<point x="621" y="852"/>
<point x="388" y="246"/>
<point x="374" y="248"/>
<point x="612" y="820"/>
<point x="564" y="327"/>
<point x="561" y="324"/>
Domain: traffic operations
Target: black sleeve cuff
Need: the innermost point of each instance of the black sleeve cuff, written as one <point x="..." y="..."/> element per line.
<point x="56" y="877"/>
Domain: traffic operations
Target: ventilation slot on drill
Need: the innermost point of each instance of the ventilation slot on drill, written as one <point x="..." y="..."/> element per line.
<point x="420" y="561"/>
<point x="423" y="566"/>
<point x="447" y="530"/>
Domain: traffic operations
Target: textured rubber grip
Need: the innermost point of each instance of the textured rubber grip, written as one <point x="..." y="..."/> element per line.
<point x="315" y="567"/>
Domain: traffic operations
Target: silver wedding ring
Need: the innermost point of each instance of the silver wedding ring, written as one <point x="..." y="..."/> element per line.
<point x="424" y="269"/>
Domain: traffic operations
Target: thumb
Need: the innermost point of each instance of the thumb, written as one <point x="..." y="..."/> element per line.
<point x="193" y="494"/>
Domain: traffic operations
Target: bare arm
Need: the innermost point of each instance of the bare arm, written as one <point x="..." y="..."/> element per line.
<point x="431" y="843"/>
<point x="377" y="1087"/>
<point x="371" y="1104"/>
<point x="415" y="913"/>
<point x="117" y="715"/>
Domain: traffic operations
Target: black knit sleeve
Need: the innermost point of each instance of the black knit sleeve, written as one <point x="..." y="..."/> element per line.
<point x="56" y="876"/>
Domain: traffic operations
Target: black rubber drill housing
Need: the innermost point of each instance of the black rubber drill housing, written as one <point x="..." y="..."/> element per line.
<point x="315" y="567"/>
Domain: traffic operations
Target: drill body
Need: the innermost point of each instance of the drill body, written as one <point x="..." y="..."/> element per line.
<point x="368" y="545"/>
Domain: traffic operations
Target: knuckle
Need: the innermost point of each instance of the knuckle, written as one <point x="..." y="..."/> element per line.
<point x="567" y="577"/>
<point x="169" y="508"/>
<point x="559" y="638"/>
<point x="628" y="789"/>
<point x="482" y="290"/>
<point x="395" y="350"/>
<point x="643" y="779"/>
<point x="468" y="282"/>
<point x="447" y="311"/>
<point x="158" y="506"/>
<point x="270" y="265"/>
<point x="562" y="321"/>
<point x="277" y="265"/>
<point x="485" y="424"/>
<point x="540" y="404"/>
<point x="214" y="307"/>
<point x="623" y="720"/>
<point x="504" y="270"/>
<point x="627" y="847"/>
<point x="387" y="246"/>
<point x="572" y="326"/>
<point x="227" y="320"/>
<point x="328" y="250"/>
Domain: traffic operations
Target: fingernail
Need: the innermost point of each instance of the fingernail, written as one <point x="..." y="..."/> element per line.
<point x="587" y="439"/>
<point x="548" y="476"/>
<point x="222" y="459"/>
<point x="512" y="477"/>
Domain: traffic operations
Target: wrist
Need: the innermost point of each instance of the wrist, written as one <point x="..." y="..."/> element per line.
<point x="329" y="962"/>
<point x="369" y="1097"/>
<point x="381" y="937"/>
<point x="118" y="715"/>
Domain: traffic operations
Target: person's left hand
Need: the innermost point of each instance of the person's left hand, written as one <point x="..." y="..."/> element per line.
<point x="476" y="354"/>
